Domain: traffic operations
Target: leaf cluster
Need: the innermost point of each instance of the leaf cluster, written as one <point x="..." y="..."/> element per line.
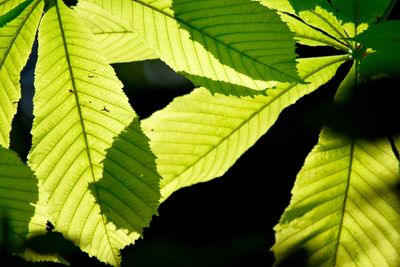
<point x="97" y="173"/>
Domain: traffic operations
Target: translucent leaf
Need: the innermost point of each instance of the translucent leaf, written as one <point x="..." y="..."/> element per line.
<point x="199" y="136"/>
<point x="360" y="11"/>
<point x="16" y="39"/>
<point x="345" y="208"/>
<point x="155" y="22"/>
<point x="326" y="21"/>
<point x="8" y="5"/>
<point x="81" y="119"/>
<point x="242" y="34"/>
<point x="307" y="35"/>
<point x="118" y="42"/>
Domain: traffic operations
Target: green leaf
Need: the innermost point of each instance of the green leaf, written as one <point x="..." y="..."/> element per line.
<point x="256" y="42"/>
<point x="199" y="136"/>
<point x="358" y="11"/>
<point x="325" y="20"/>
<point x="282" y="5"/>
<point x="16" y="40"/>
<point x="8" y="5"/>
<point x="307" y="35"/>
<point x="384" y="39"/>
<point x="18" y="196"/>
<point x="81" y="118"/>
<point x="155" y="22"/>
<point x="345" y="209"/>
<point x="301" y="5"/>
<point x="118" y="42"/>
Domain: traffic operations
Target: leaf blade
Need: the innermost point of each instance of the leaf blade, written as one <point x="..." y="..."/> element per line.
<point x="344" y="206"/>
<point x="80" y="111"/>
<point x="155" y="22"/>
<point x="16" y="40"/>
<point x="224" y="126"/>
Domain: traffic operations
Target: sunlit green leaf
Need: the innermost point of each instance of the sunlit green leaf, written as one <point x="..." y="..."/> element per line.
<point x="8" y="5"/>
<point x="199" y="136"/>
<point x="16" y="39"/>
<point x="155" y="22"/>
<point x="81" y="119"/>
<point x="119" y="43"/>
<point x="345" y="208"/>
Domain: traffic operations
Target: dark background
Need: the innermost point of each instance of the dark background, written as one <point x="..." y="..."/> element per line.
<point x="225" y="222"/>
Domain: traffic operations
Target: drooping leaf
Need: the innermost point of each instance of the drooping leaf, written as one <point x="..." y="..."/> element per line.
<point x="345" y="208"/>
<point x="358" y="11"/>
<point x="16" y="39"/>
<point x="18" y="195"/>
<point x="199" y="136"/>
<point x="82" y="116"/>
<point x="119" y="43"/>
<point x="155" y="22"/>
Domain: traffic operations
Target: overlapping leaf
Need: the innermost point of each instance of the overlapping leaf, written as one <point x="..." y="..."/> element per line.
<point x="8" y="5"/>
<point x="119" y="43"/>
<point x="18" y="196"/>
<point x="345" y="208"/>
<point x="82" y="115"/>
<point x="182" y="50"/>
<point x="199" y="136"/>
<point x="16" y="39"/>
<point x="358" y="11"/>
<point x="384" y="39"/>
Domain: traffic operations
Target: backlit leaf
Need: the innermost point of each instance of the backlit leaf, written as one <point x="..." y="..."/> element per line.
<point x="16" y="39"/>
<point x="81" y="119"/>
<point x="345" y="208"/>
<point x="199" y="136"/>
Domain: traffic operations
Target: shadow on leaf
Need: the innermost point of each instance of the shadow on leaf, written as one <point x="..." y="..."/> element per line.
<point x="129" y="193"/>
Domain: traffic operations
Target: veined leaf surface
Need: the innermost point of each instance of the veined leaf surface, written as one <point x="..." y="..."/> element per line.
<point x="16" y="39"/>
<point x="345" y="208"/>
<point x="18" y="195"/>
<point x="81" y="114"/>
<point x="358" y="11"/>
<point x="307" y="35"/>
<point x="199" y="136"/>
<point x="7" y="5"/>
<point x="155" y="22"/>
<point x="119" y="43"/>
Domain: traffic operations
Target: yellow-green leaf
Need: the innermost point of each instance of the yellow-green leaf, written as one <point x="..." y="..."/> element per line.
<point x="16" y="39"/>
<point x="345" y="208"/>
<point x="199" y="136"/>
<point x="81" y="119"/>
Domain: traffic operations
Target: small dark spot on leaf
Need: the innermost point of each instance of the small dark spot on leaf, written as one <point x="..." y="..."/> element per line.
<point x="91" y="76"/>
<point x="105" y="109"/>
<point x="15" y="102"/>
<point x="70" y="91"/>
<point x="49" y="227"/>
<point x="90" y="102"/>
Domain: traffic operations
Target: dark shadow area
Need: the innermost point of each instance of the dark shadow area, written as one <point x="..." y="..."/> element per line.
<point x="370" y="112"/>
<point x="298" y="259"/>
<point x="130" y="170"/>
